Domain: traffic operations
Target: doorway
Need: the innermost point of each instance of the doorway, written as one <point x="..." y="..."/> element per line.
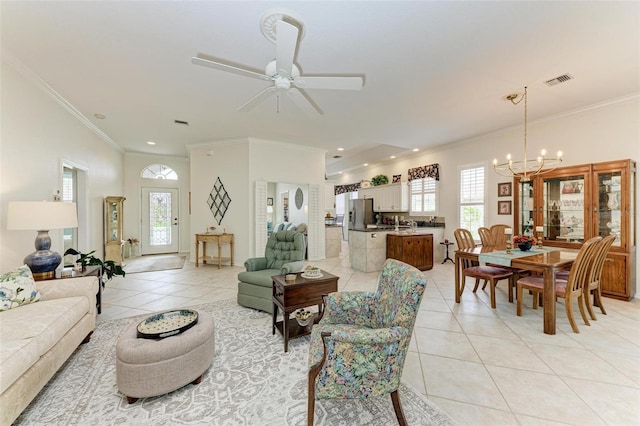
<point x="160" y="219"/>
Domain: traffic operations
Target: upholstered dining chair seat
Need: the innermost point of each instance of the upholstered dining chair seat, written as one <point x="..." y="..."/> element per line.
<point x="491" y="275"/>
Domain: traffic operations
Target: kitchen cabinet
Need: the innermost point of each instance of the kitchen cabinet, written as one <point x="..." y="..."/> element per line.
<point x="113" y="225"/>
<point x="393" y="197"/>
<point x="576" y="203"/>
<point x="414" y="249"/>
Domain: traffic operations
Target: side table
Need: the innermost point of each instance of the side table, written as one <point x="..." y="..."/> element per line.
<point x="89" y="270"/>
<point x="447" y="244"/>
<point x="288" y="296"/>
<point x="220" y="239"/>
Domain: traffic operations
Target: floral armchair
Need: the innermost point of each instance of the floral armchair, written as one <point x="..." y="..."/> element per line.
<point x="359" y="346"/>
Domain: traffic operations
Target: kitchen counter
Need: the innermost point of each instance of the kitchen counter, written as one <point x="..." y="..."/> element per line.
<point x="368" y="248"/>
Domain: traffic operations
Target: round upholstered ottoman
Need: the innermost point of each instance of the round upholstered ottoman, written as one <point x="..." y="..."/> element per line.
<point x="151" y="367"/>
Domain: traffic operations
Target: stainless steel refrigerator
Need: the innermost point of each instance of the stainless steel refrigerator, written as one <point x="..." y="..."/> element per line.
<point x="361" y="213"/>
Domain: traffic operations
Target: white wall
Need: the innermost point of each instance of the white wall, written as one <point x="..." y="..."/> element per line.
<point x="36" y="136"/>
<point x="239" y="164"/>
<point x="603" y="133"/>
<point x="134" y="163"/>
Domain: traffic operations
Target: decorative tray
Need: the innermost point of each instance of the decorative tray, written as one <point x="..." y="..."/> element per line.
<point x="167" y="324"/>
<point x="311" y="277"/>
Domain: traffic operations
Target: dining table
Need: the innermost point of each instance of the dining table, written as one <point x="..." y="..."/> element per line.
<point x="547" y="260"/>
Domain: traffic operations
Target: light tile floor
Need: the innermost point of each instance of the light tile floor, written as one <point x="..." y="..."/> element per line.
<point x="482" y="366"/>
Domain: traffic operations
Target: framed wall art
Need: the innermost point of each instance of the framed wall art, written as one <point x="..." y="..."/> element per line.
<point x="504" y="189"/>
<point x="504" y="207"/>
<point x="269" y="201"/>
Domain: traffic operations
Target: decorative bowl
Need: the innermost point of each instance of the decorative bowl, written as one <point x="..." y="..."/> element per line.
<point x="526" y="246"/>
<point x="304" y="317"/>
<point x="312" y="272"/>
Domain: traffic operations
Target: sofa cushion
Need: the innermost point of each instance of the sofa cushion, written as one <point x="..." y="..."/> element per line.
<point x="261" y="278"/>
<point x="29" y="331"/>
<point x="17" y="288"/>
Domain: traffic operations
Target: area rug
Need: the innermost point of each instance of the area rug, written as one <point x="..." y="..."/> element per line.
<point x="251" y="382"/>
<point x="154" y="263"/>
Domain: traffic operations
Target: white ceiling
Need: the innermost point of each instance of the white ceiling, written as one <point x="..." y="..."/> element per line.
<point x="435" y="72"/>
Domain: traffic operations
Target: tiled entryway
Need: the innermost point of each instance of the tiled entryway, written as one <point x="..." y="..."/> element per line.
<point x="482" y="366"/>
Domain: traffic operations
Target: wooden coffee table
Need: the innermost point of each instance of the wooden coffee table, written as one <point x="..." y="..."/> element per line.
<point x="289" y="296"/>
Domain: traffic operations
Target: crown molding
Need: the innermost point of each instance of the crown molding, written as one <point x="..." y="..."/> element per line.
<point x="34" y="79"/>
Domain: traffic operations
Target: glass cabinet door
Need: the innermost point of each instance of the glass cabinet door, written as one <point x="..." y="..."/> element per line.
<point x="608" y="209"/>
<point x="563" y="213"/>
<point x="526" y="214"/>
<point x="113" y="233"/>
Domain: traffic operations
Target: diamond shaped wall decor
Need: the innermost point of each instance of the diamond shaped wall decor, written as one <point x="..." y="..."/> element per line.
<point x="218" y="201"/>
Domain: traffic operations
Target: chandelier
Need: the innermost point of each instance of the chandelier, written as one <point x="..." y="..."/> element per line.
<point x="525" y="168"/>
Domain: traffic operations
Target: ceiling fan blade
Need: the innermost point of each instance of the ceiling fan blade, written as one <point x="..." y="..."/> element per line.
<point x="257" y="99"/>
<point x="333" y="83"/>
<point x="304" y="102"/>
<point x="209" y="63"/>
<point x="286" y="42"/>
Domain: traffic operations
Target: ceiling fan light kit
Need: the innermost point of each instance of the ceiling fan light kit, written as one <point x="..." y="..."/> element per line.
<point x="284" y="29"/>
<point x="525" y="169"/>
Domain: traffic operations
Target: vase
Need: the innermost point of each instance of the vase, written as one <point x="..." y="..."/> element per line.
<point x="612" y="203"/>
<point x="526" y="246"/>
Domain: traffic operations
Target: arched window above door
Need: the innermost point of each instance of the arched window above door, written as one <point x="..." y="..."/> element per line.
<point x="159" y="171"/>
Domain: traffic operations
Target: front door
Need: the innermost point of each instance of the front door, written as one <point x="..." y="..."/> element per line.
<point x="160" y="221"/>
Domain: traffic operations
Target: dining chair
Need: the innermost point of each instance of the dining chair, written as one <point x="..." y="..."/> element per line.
<point x="594" y="278"/>
<point x="490" y="274"/>
<point x="486" y="239"/>
<point x="569" y="289"/>
<point x="358" y="348"/>
<point x="499" y="239"/>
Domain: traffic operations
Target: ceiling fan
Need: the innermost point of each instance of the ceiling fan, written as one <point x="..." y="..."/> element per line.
<point x="283" y="74"/>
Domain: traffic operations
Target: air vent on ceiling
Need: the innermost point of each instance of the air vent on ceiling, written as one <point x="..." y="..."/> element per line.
<point x="560" y="79"/>
<point x="186" y="123"/>
<point x="337" y="156"/>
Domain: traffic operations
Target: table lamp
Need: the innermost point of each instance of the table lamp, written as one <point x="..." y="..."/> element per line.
<point x="42" y="216"/>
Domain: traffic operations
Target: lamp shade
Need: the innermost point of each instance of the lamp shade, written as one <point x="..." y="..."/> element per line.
<point x="41" y="215"/>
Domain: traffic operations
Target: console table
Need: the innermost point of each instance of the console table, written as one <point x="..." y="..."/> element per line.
<point x="219" y="239"/>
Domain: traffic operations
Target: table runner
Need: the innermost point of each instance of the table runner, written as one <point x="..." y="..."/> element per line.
<point x="500" y="257"/>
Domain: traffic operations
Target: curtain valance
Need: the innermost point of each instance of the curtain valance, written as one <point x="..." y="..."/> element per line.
<point x="341" y="189"/>
<point x="432" y="171"/>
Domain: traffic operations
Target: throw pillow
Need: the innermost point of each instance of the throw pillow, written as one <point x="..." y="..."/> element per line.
<point x="17" y="288"/>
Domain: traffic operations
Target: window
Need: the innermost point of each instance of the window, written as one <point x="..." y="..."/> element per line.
<point x="424" y="197"/>
<point x="159" y="171"/>
<point x="472" y="198"/>
<point x="69" y="194"/>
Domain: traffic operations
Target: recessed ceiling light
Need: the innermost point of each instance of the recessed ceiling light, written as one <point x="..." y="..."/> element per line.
<point x="366" y="164"/>
<point x="339" y="173"/>
<point x="415" y="150"/>
<point x="100" y="116"/>
<point x="340" y="149"/>
<point x="393" y="156"/>
<point x="151" y="143"/>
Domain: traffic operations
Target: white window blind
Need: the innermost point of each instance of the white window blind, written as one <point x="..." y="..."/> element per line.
<point x="424" y="197"/>
<point x="472" y="208"/>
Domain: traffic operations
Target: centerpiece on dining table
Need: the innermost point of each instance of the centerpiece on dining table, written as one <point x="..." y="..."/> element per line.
<point x="524" y="242"/>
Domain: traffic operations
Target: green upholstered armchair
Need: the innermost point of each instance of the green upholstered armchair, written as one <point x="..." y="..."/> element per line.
<point x="284" y="254"/>
<point x="359" y="346"/>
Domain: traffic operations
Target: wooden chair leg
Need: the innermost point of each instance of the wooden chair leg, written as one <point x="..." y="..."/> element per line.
<point x="534" y="302"/>
<point x="395" y="398"/>
<point x="569" y="308"/>
<point x="597" y="300"/>
<point x="492" y="286"/>
<point x="311" y="386"/>
<point x="581" y="306"/>
<point x="587" y="302"/>
<point x="518" y="300"/>
<point x="475" y="287"/>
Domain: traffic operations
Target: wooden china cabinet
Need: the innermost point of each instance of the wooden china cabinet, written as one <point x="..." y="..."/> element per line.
<point x="113" y="241"/>
<point x="576" y="203"/>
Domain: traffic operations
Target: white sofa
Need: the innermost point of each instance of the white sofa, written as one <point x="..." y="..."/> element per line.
<point x="37" y="338"/>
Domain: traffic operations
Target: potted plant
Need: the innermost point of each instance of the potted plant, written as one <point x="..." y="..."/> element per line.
<point x="379" y="180"/>
<point x="109" y="267"/>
